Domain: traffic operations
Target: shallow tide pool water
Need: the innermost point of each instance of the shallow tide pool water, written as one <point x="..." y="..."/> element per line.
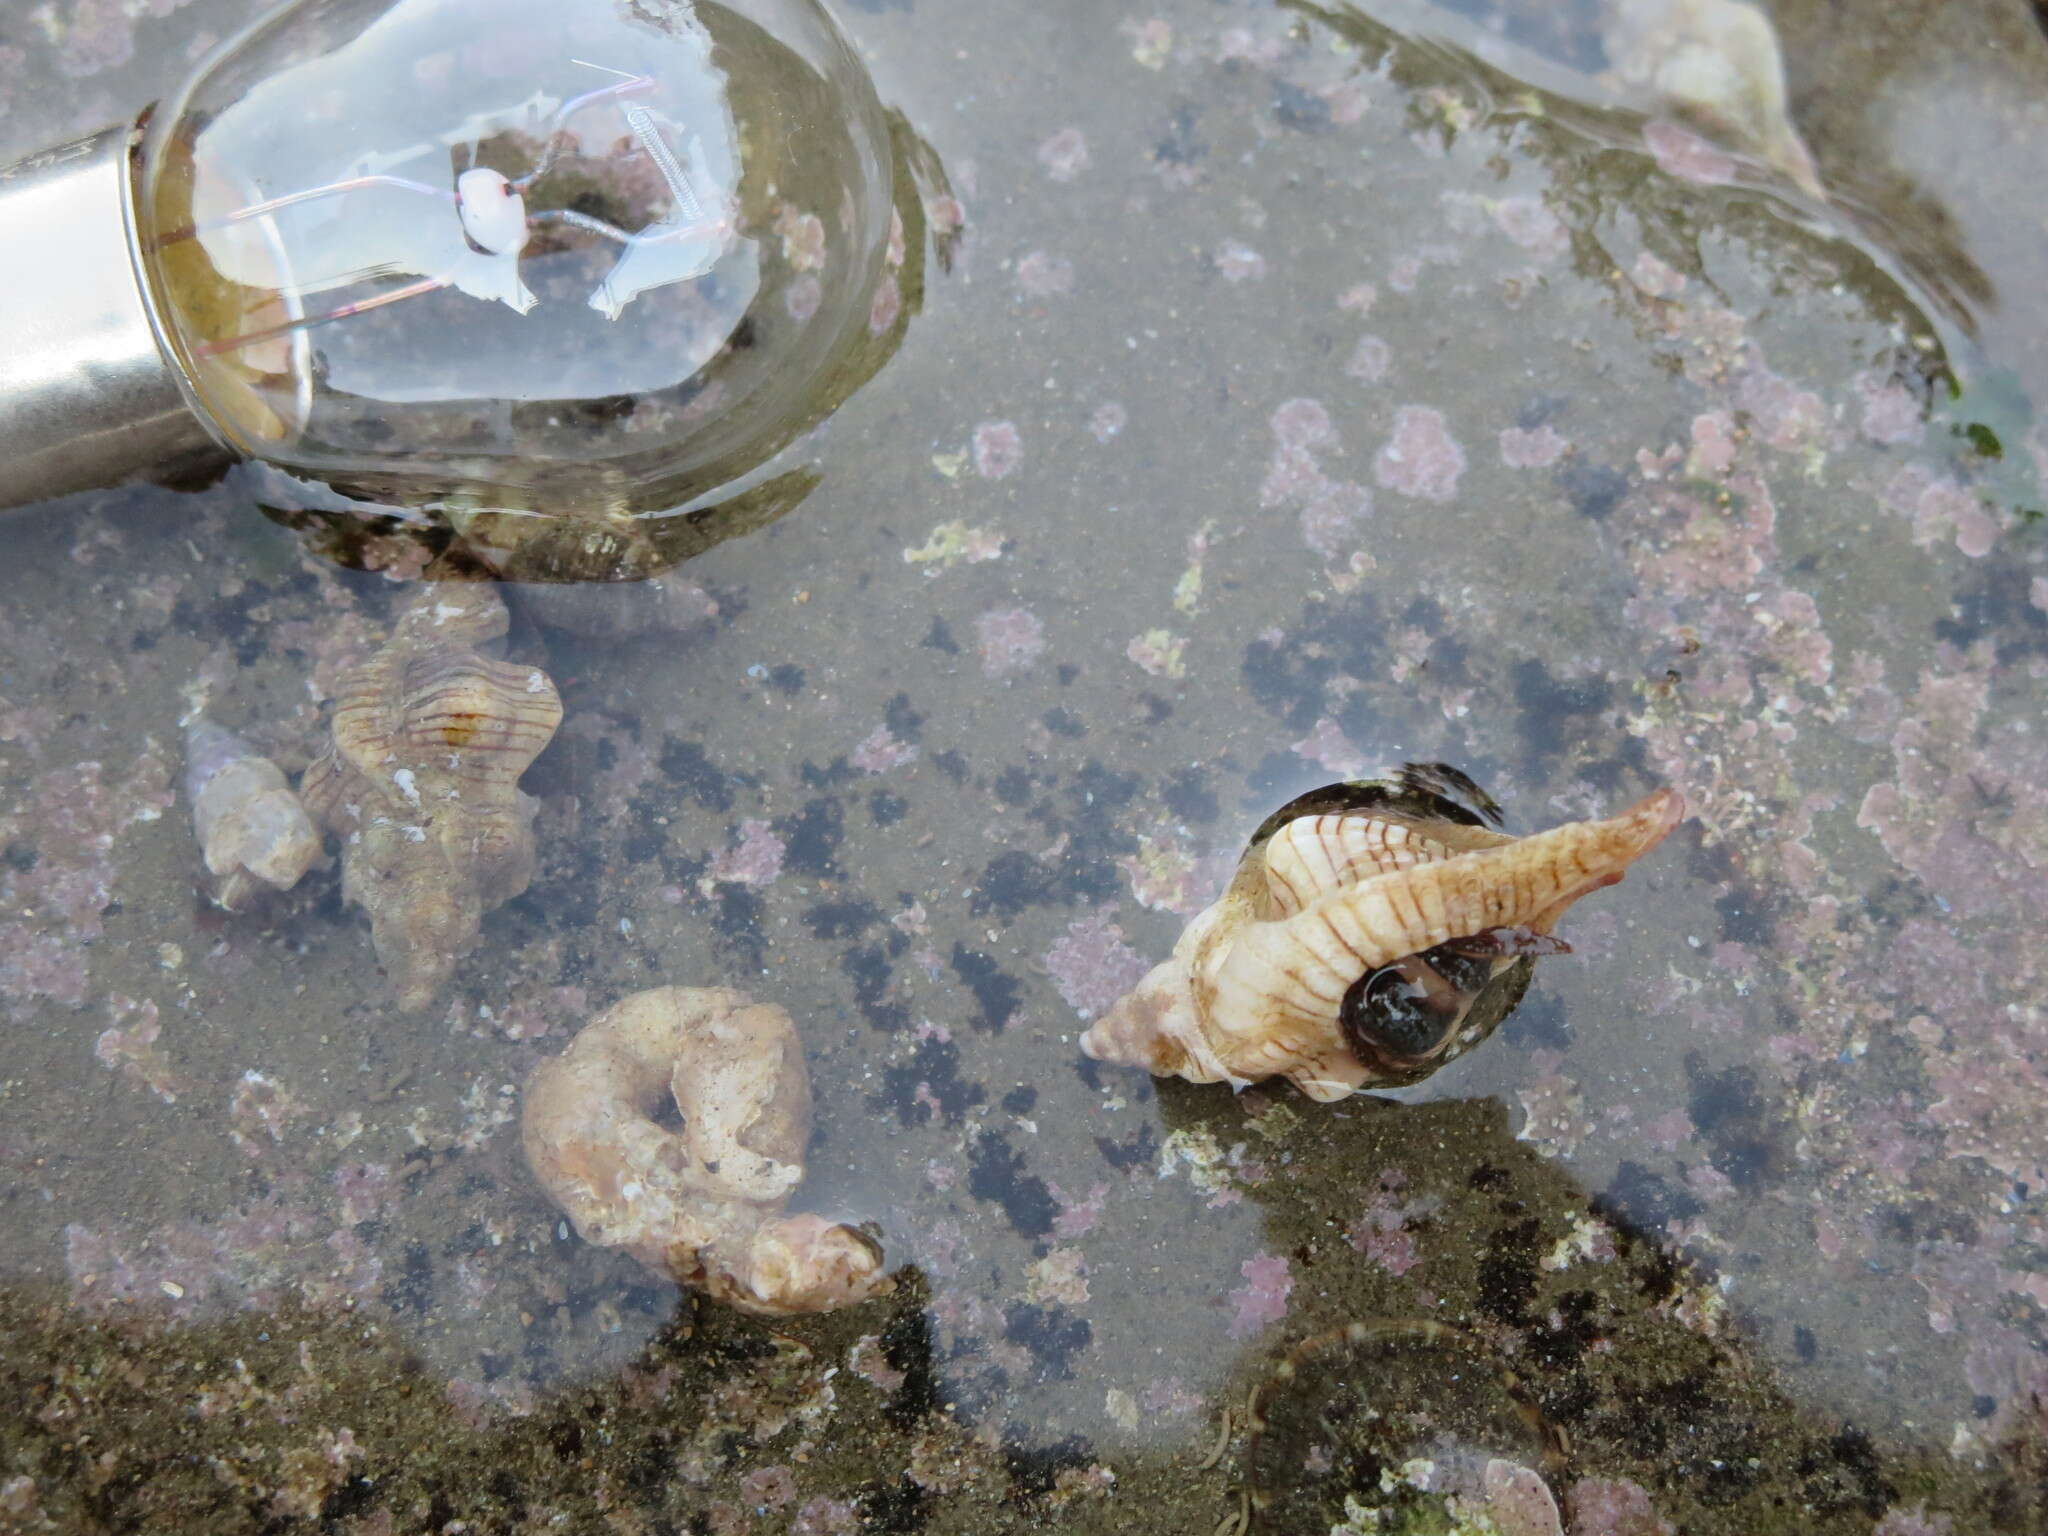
<point x="1314" y="388"/>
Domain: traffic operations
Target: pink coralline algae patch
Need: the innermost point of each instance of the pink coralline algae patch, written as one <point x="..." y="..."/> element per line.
<point x="886" y="307"/>
<point x="1042" y="276"/>
<point x="365" y="1189"/>
<point x="1303" y="423"/>
<point x="1421" y="458"/>
<point x="1892" y="413"/>
<point x="827" y="1517"/>
<point x="803" y="238"/>
<point x="1532" y="447"/>
<point x="1238" y="262"/>
<point x="1262" y="1300"/>
<point x="69" y="820"/>
<point x="998" y="449"/>
<point x="1958" y="817"/>
<point x="1369" y="360"/>
<point x="1668" y="1130"/>
<point x="1331" y="510"/>
<point x="1293" y="477"/>
<point x="257" y="1255"/>
<point x="755" y="859"/>
<point x="1701" y="571"/>
<point x="1682" y="153"/>
<point x="1789" y="418"/>
<point x="1092" y="965"/>
<point x="1008" y="640"/>
<point x="1331" y="521"/>
<point x="260" y="1110"/>
<point x="768" y="1488"/>
<point x="1915" y="1521"/>
<point x="1077" y="1218"/>
<point x="1518" y="1501"/>
<point x="880" y="751"/>
<point x="1601" y="1506"/>
<point x="1327" y="747"/>
<point x="1656" y="277"/>
<point x="1940" y="508"/>
<point x="131" y="1048"/>
<point x="1752" y="732"/>
<point x="803" y="297"/>
<point x="534" y="1012"/>
<point x="1064" y="155"/>
<point x="1241" y="45"/>
<point x="1382" y="1234"/>
<point x="1532" y="226"/>
<point x="1715" y="445"/>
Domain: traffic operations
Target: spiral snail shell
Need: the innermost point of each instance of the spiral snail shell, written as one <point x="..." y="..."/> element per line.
<point x="421" y="783"/>
<point x="1373" y="932"/>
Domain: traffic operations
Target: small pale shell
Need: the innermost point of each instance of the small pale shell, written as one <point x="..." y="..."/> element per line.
<point x="253" y="832"/>
<point x="702" y="1205"/>
<point x="1365" y="947"/>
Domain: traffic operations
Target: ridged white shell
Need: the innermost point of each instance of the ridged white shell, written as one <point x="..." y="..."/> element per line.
<point x="1256" y="985"/>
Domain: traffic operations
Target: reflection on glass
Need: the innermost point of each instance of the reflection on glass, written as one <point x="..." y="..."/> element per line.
<point x="516" y="255"/>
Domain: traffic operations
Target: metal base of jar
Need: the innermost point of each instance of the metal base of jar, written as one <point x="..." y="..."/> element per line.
<point x="87" y="396"/>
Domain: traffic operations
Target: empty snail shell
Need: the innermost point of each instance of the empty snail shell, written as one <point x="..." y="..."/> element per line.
<point x="253" y="833"/>
<point x="1372" y="933"/>
<point x="430" y="737"/>
<point x="702" y="1205"/>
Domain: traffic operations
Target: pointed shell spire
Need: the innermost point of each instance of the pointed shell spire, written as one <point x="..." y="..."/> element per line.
<point x="1260" y="984"/>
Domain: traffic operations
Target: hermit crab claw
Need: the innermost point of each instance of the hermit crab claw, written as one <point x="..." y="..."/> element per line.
<point x="1368" y="945"/>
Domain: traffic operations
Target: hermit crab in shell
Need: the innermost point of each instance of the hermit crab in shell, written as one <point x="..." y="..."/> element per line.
<point x="1373" y="932"/>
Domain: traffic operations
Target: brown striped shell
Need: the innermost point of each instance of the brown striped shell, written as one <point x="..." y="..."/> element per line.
<point x="1372" y="933"/>
<point x="421" y="784"/>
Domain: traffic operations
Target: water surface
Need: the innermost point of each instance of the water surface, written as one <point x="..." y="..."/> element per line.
<point x="1304" y="398"/>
